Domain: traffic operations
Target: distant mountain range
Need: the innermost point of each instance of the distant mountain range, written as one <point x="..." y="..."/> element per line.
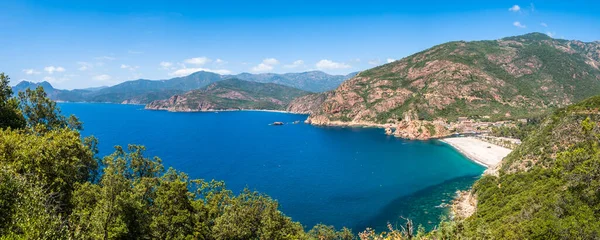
<point x="231" y="94"/>
<point x="143" y="91"/>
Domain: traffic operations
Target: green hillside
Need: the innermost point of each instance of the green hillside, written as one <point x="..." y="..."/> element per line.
<point x="231" y="94"/>
<point x="547" y="188"/>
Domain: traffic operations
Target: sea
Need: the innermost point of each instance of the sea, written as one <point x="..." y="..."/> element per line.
<point x="352" y="177"/>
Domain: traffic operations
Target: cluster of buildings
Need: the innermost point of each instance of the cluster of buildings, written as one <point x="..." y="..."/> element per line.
<point x="465" y="125"/>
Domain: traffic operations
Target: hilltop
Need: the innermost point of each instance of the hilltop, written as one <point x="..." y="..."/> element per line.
<point x="231" y="94"/>
<point x="509" y="78"/>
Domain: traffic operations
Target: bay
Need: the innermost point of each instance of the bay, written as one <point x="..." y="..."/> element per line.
<point x="354" y="177"/>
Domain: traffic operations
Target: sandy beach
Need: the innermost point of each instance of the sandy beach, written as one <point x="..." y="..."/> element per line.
<point x="484" y="153"/>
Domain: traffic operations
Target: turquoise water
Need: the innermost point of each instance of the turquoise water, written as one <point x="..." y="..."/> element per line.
<point x="353" y="177"/>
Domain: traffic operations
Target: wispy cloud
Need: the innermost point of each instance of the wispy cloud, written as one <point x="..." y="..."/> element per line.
<point x="102" y="77"/>
<point x="130" y="68"/>
<point x="544" y="24"/>
<point x="53" y="69"/>
<point x="262" y="67"/>
<point x="106" y="58"/>
<point x="515" y="8"/>
<point x="374" y="62"/>
<point x="551" y="34"/>
<point x="295" y="64"/>
<point x="519" y="25"/>
<point x="220" y="61"/>
<point x="266" y="65"/>
<point x="271" y="61"/>
<point x="134" y="52"/>
<point x="83" y="66"/>
<point x="166" y="65"/>
<point x="390" y="60"/>
<point x="31" y="71"/>
<point x="198" y="60"/>
<point x="326" y="64"/>
<point x="187" y="71"/>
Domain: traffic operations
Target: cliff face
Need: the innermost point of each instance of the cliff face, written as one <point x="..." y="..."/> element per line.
<point x="508" y="78"/>
<point x="231" y="94"/>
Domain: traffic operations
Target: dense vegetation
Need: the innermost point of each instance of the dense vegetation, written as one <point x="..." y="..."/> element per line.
<point x="548" y="188"/>
<point x="520" y="130"/>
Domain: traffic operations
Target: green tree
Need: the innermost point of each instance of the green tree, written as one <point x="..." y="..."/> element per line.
<point x="252" y="215"/>
<point x="55" y="160"/>
<point x="174" y="212"/>
<point x="27" y="210"/>
<point x="42" y="114"/>
<point x="10" y="116"/>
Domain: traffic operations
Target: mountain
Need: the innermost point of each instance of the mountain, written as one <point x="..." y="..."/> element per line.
<point x="313" y="81"/>
<point x="548" y="187"/>
<point x="53" y="93"/>
<point x="509" y="78"/>
<point x="143" y="91"/>
<point x="231" y="94"/>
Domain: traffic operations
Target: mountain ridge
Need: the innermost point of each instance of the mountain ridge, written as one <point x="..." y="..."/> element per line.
<point x="143" y="91"/>
<point x="507" y="78"/>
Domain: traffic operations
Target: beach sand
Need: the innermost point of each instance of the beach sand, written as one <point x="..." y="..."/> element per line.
<point x="486" y="154"/>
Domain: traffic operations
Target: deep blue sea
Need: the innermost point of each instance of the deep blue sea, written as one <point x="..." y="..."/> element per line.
<point x="354" y="177"/>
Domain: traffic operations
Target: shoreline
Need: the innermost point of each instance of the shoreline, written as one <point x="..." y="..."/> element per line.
<point x="228" y="110"/>
<point x="481" y="152"/>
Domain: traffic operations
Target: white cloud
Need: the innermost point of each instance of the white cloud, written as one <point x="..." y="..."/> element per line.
<point x="84" y="66"/>
<point x="220" y="61"/>
<point x="198" y="60"/>
<point x="519" y="25"/>
<point x="103" y="77"/>
<point x="271" y="61"/>
<point x="106" y="58"/>
<point x="515" y="8"/>
<point x="30" y="71"/>
<point x="262" y="68"/>
<point x="544" y="24"/>
<point x="166" y="65"/>
<point x="328" y="65"/>
<point x="187" y="71"/>
<point x="551" y="34"/>
<point x="295" y="64"/>
<point x="374" y="62"/>
<point x="266" y="65"/>
<point x="55" y="80"/>
<point x="390" y="60"/>
<point x="52" y="69"/>
<point x="130" y="68"/>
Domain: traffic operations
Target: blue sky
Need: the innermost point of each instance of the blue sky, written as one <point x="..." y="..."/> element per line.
<point x="77" y="44"/>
